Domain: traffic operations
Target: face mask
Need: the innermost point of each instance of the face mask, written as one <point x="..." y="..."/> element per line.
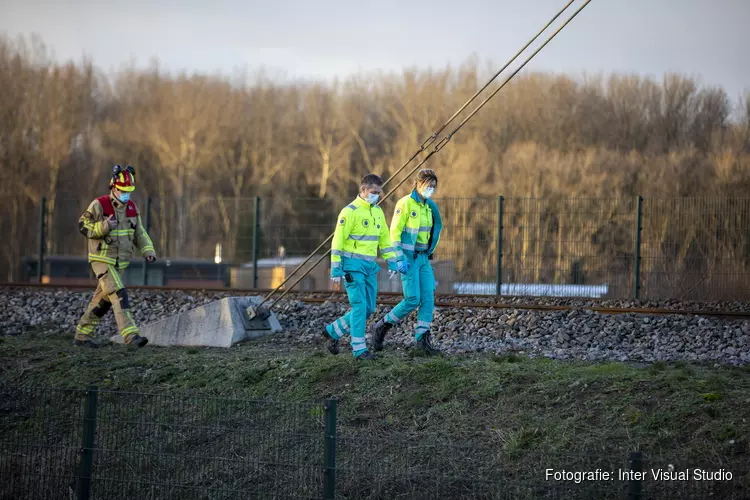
<point x="124" y="197"/>
<point x="427" y="192"/>
<point x="372" y="198"/>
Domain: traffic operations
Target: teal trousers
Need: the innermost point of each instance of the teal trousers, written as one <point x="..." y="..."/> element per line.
<point x="362" y="293"/>
<point x="419" y="292"/>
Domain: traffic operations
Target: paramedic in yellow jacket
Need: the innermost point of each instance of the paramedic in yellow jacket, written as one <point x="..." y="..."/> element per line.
<point x="361" y="230"/>
<point x="113" y="227"/>
<point x="415" y="228"/>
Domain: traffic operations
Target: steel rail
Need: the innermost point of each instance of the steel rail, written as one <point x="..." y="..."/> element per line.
<point x="443" y="300"/>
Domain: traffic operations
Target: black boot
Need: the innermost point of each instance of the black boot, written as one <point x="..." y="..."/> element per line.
<point x="135" y="341"/>
<point x="426" y="346"/>
<point x="86" y="343"/>
<point x="378" y="336"/>
<point x="365" y="356"/>
<point x="331" y="343"/>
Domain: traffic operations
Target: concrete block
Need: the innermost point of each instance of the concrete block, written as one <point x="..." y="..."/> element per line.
<point x="222" y="323"/>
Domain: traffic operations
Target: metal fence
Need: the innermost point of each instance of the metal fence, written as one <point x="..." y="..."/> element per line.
<point x="686" y="248"/>
<point x="112" y="444"/>
<point x="90" y="444"/>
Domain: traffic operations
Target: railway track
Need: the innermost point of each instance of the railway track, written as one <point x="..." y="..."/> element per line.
<point x="442" y="300"/>
<point x="540" y="307"/>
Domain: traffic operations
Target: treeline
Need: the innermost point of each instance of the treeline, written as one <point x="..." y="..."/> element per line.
<point x="200" y="143"/>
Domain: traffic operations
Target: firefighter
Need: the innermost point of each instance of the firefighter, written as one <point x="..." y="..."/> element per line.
<point x="113" y="227"/>
<point x="415" y="228"/>
<point x="361" y="230"/>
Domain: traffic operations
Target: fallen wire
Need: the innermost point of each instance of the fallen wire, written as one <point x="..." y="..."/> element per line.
<point x="425" y="144"/>
<point x="432" y="139"/>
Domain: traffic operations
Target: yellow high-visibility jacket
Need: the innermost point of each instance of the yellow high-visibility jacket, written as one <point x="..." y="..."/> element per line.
<point x="416" y="225"/>
<point x="361" y="230"/>
<point x="116" y="246"/>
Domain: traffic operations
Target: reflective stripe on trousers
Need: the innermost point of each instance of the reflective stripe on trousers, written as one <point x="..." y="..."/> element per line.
<point x="362" y="294"/>
<point x="419" y="292"/>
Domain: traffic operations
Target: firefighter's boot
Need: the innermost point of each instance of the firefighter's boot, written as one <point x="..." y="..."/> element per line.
<point x="135" y="341"/>
<point x="85" y="343"/>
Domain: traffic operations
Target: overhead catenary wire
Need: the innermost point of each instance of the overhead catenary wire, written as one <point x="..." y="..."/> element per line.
<point x="440" y="144"/>
<point x="445" y="140"/>
<point x="425" y="144"/>
<point x="429" y="141"/>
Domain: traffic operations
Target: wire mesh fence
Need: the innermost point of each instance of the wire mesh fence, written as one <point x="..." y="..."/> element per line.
<point x="586" y="244"/>
<point x="686" y="248"/>
<point x="40" y="439"/>
<point x="167" y="446"/>
<point x="89" y="444"/>
<point x="112" y="444"/>
<point x="695" y="248"/>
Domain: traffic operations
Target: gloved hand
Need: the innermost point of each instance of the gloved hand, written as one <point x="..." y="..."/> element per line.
<point x="402" y="266"/>
<point x="111" y="222"/>
<point x="150" y="258"/>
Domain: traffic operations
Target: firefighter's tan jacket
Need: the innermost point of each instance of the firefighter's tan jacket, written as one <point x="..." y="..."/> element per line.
<point x="116" y="246"/>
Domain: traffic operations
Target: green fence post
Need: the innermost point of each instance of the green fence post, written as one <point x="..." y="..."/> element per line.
<point x="637" y="249"/>
<point x="256" y="240"/>
<point x="635" y="486"/>
<point x="87" y="447"/>
<point x="42" y="220"/>
<point x="148" y="227"/>
<point x="499" y="271"/>
<point x="329" y="450"/>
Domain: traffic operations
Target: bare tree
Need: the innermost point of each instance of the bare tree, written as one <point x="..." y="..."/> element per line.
<point x="570" y="147"/>
<point x="180" y="121"/>
<point x="254" y="155"/>
<point x="329" y="136"/>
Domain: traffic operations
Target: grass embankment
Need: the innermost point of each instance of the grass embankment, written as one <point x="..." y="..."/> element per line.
<point x="499" y="416"/>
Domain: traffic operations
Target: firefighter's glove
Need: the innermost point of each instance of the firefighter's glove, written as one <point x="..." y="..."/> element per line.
<point x="402" y="266"/>
<point x="150" y="258"/>
<point x="111" y="222"/>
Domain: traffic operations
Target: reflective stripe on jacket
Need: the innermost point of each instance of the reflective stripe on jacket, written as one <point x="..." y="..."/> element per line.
<point x="361" y="231"/>
<point x="114" y="246"/>
<point x="416" y="225"/>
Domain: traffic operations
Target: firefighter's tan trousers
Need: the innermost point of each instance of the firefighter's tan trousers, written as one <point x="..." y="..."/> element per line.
<point x="110" y="293"/>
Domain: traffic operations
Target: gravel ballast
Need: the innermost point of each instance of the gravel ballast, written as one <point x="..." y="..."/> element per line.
<point x="576" y="334"/>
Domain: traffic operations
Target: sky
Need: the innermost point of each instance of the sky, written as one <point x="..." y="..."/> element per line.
<point x="705" y="39"/>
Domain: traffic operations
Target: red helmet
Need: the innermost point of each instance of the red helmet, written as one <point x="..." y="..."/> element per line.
<point x="123" y="179"/>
